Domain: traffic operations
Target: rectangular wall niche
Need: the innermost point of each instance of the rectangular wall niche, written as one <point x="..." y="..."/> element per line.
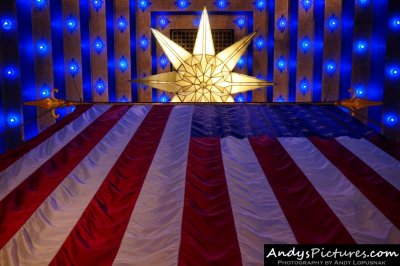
<point x="186" y="38"/>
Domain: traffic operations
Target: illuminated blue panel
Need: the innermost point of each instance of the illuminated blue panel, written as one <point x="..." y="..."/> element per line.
<point x="40" y="4"/>
<point x="144" y="4"/>
<point x="241" y="62"/>
<point x="306" y="4"/>
<point x="305" y="44"/>
<point x="163" y="61"/>
<point x="100" y="86"/>
<point x="123" y="64"/>
<point x="319" y="15"/>
<point x="44" y="91"/>
<point x="330" y="67"/>
<point x="332" y="23"/>
<point x="10" y="72"/>
<point x="42" y="47"/>
<point x="393" y="72"/>
<point x="361" y="47"/>
<point x="221" y="4"/>
<point x="84" y="21"/>
<point x="281" y="64"/>
<point x="304" y="85"/>
<point x="71" y="24"/>
<point x="143" y="43"/>
<point x="97" y="4"/>
<point x="241" y="22"/>
<point x="163" y="22"/>
<point x="7" y="24"/>
<point x="281" y="24"/>
<point x="98" y="45"/>
<point x="260" y="4"/>
<point x="182" y="4"/>
<point x="391" y="119"/>
<point x="133" y="47"/>
<point x="73" y="68"/>
<point x="363" y="2"/>
<point x="111" y="65"/>
<point x="395" y="23"/>
<point x="122" y="24"/>
<point x="240" y="98"/>
<point x="196" y="22"/>
<point x="164" y="98"/>
<point x="13" y="119"/>
<point x="260" y="43"/>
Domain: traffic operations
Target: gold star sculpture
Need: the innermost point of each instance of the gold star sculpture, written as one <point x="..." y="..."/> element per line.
<point x="203" y="76"/>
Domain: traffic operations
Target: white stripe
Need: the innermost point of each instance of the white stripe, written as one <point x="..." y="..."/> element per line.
<point x="384" y="164"/>
<point x="258" y="216"/>
<point x="16" y="173"/>
<point x="361" y="218"/>
<point x="38" y="241"/>
<point x="154" y="230"/>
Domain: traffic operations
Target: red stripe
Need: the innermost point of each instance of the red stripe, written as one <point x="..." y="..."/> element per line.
<point x="389" y="146"/>
<point x="380" y="192"/>
<point x="309" y="216"/>
<point x="208" y="229"/>
<point x="22" y="202"/>
<point x="97" y="236"/>
<point x="12" y="156"/>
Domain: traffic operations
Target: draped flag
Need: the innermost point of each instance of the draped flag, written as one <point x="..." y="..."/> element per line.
<point x="195" y="185"/>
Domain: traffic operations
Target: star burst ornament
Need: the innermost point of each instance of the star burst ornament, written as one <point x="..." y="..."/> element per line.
<point x="203" y="76"/>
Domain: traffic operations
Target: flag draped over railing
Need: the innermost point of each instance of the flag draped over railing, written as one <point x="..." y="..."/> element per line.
<point x="195" y="185"/>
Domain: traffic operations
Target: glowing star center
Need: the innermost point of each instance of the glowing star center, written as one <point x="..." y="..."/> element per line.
<point x="203" y="76"/>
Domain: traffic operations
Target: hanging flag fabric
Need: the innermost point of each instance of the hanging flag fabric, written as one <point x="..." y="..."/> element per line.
<point x="195" y="185"/>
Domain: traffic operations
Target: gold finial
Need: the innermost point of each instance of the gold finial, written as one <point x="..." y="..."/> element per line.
<point x="355" y="103"/>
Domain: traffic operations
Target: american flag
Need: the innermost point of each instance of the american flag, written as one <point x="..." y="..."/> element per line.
<point x="195" y="185"/>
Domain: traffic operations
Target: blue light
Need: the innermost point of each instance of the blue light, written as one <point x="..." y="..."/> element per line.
<point x="7" y="24"/>
<point x="163" y="61"/>
<point x="123" y="64"/>
<point x="363" y="2"/>
<point x="260" y="43"/>
<point x="280" y="99"/>
<point x="10" y="72"/>
<point x="13" y="119"/>
<point x="306" y="4"/>
<point x="304" y="85"/>
<point x="143" y="42"/>
<point x="42" y="47"/>
<point x="44" y="91"/>
<point x="144" y="4"/>
<point x="241" y="22"/>
<point x="260" y="4"/>
<point x="122" y="24"/>
<point x="182" y="4"/>
<point x="123" y="99"/>
<point x="282" y="23"/>
<point x="395" y="23"/>
<point x="40" y="4"/>
<point x="241" y="62"/>
<point x="163" y="22"/>
<point x="221" y="4"/>
<point x="281" y="64"/>
<point x="164" y="98"/>
<point x="98" y="45"/>
<point x="360" y="47"/>
<point x="71" y="24"/>
<point x="73" y="68"/>
<point x="393" y="72"/>
<point x="330" y="67"/>
<point x="360" y="90"/>
<point x="391" y="120"/>
<point x="196" y="22"/>
<point x="97" y="4"/>
<point x="332" y="23"/>
<point x="305" y="44"/>
<point x="240" y="98"/>
<point x="100" y="86"/>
